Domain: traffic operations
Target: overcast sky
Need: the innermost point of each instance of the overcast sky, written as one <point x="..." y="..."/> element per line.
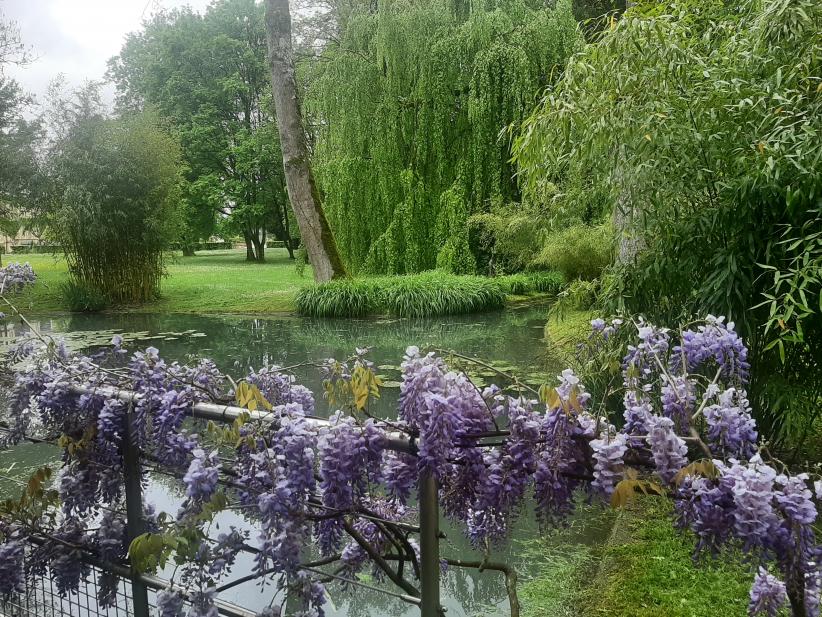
<point x="76" y="37"/>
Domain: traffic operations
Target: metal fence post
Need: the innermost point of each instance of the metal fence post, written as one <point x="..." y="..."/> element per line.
<point x="429" y="546"/>
<point x="134" y="507"/>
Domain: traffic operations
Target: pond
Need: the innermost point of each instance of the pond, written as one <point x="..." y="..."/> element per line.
<point x="510" y="340"/>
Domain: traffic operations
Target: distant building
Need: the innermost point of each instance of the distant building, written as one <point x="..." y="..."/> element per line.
<point x="24" y="239"/>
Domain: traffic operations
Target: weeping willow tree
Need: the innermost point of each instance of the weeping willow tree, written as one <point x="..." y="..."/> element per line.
<point x="406" y="113"/>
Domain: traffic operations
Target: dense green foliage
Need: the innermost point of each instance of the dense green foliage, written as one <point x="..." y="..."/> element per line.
<point x="561" y="235"/>
<point x="113" y="200"/>
<point x="578" y="251"/>
<point x="81" y="298"/>
<point x="406" y="113"/>
<point x="420" y="295"/>
<point x="208" y="74"/>
<point x="18" y="135"/>
<point x="703" y="121"/>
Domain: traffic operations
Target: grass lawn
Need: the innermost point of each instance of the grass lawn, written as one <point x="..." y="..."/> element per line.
<point x="648" y="571"/>
<point x="644" y="569"/>
<point x="210" y="282"/>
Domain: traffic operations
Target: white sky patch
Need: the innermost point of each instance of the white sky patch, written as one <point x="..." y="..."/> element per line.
<point x="77" y="37"/>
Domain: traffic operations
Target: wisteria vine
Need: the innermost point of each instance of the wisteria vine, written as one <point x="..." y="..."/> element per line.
<point x="684" y="429"/>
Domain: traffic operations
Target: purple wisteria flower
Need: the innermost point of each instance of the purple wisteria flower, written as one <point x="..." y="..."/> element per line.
<point x="202" y="475"/>
<point x="795" y="499"/>
<point x="716" y="341"/>
<point x="12" y="553"/>
<point x="678" y="400"/>
<point x="609" y="464"/>
<point x="731" y="429"/>
<point x="767" y="595"/>
<point x="170" y="604"/>
<point x="668" y="450"/>
<point x="16" y="276"/>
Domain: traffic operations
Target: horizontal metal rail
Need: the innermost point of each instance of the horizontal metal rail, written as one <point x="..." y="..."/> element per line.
<point x="395" y="440"/>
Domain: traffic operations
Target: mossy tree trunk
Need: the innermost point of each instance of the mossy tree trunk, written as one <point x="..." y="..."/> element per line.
<point x="302" y="189"/>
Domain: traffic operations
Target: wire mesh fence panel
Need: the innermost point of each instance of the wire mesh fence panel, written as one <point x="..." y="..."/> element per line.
<point x="42" y="599"/>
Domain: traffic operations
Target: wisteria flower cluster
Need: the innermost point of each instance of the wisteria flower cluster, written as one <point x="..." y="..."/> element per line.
<point x="16" y="276"/>
<point x="343" y="486"/>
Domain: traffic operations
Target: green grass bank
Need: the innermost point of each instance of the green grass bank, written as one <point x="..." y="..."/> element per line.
<point x="643" y="569"/>
<point x="223" y="282"/>
<point x="210" y="282"/>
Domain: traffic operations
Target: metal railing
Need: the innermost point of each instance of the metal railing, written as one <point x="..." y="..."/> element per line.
<point x="136" y="592"/>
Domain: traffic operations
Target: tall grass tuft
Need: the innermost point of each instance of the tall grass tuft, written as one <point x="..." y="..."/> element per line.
<point x="528" y="282"/>
<point x="79" y="297"/>
<point x="340" y="298"/>
<point x="435" y="293"/>
<point x="419" y="295"/>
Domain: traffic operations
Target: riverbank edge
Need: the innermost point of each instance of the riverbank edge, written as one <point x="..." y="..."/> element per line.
<point x="285" y="309"/>
<point x="219" y="283"/>
<point x="644" y="568"/>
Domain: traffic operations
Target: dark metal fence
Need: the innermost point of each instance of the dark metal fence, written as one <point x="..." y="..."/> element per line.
<point x="41" y="599"/>
<point x="136" y="593"/>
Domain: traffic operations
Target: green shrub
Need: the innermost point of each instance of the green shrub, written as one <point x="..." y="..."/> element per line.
<point x="434" y="293"/>
<point x="114" y="205"/>
<point x="578" y="296"/>
<point x="340" y="298"/>
<point x="81" y="298"/>
<point x="455" y="256"/>
<point x="578" y="252"/>
<point x="419" y="295"/>
<point x="528" y="282"/>
<point x="507" y="238"/>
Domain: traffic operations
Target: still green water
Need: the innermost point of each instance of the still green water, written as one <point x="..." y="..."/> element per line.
<point x="511" y="340"/>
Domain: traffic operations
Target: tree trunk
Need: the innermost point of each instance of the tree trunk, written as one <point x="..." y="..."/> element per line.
<point x="249" y="247"/>
<point x="258" y="238"/>
<point x="188" y="250"/>
<point x="625" y="218"/>
<point x="289" y="241"/>
<point x="302" y="190"/>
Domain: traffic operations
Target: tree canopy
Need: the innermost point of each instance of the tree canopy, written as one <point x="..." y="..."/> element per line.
<point x="702" y="120"/>
<point x="208" y="74"/>
<point x="406" y="112"/>
<point x="18" y="134"/>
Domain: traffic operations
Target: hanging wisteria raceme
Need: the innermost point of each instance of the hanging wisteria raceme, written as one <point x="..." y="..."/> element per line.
<point x="12" y="555"/>
<point x="731" y="430"/>
<point x="767" y="595"/>
<point x="713" y="341"/>
<point x="678" y="400"/>
<point x="609" y="468"/>
<point x="684" y="429"/>
<point x="15" y="277"/>
<point x="667" y="448"/>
